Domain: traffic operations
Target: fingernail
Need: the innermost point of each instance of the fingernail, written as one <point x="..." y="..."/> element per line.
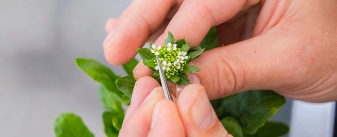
<point x="109" y="39"/>
<point x="202" y="112"/>
<point x="179" y="88"/>
<point x="194" y="79"/>
<point x="156" y="114"/>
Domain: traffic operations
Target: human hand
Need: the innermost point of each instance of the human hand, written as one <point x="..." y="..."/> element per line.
<point x="287" y="46"/>
<point x="150" y="114"/>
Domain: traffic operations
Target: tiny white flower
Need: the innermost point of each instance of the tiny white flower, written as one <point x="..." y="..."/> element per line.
<point x="176" y="62"/>
<point x="183" y="53"/>
<point x="178" y="67"/>
<point x="180" y="60"/>
<point x="168" y="48"/>
<point x="158" y="48"/>
<point x="152" y="50"/>
<point x="164" y="63"/>
<point x="174" y="46"/>
<point x="186" y="57"/>
<point x="157" y="53"/>
<point x="169" y="64"/>
<point x="167" y="68"/>
<point x="153" y="46"/>
<point x="157" y="67"/>
<point x="179" y="53"/>
<point x="169" y="44"/>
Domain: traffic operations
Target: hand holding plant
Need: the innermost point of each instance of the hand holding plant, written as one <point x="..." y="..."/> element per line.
<point x="242" y="115"/>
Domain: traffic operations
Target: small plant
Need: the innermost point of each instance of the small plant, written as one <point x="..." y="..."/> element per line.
<point x="243" y="115"/>
<point x="175" y="57"/>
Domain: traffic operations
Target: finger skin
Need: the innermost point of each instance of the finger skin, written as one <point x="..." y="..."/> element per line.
<point x="141" y="70"/>
<point x="191" y="102"/>
<point x="139" y="122"/>
<point x="110" y="24"/>
<point x="167" y="123"/>
<point x="142" y="89"/>
<point x="134" y="27"/>
<point x="194" y="18"/>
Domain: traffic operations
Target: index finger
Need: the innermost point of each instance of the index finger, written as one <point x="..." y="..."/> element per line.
<point x="140" y="19"/>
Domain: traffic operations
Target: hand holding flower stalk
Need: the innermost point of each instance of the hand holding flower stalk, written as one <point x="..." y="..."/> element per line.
<point x="175" y="57"/>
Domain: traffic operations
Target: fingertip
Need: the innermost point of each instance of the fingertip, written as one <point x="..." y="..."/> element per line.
<point x="197" y="114"/>
<point x="142" y="89"/>
<point x="113" y="55"/>
<point x="164" y="116"/>
<point x="110" y="24"/>
<point x="141" y="71"/>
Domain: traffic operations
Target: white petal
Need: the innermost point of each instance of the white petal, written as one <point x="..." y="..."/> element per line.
<point x="157" y="53"/>
<point x="174" y="45"/>
<point x="164" y="63"/>
<point x="168" y="48"/>
<point x="183" y="53"/>
<point x="178" y="67"/>
<point x="152" y="51"/>
<point x="186" y="57"/>
<point x="174" y="48"/>
<point x="158" y="48"/>
<point x="153" y="46"/>
<point x="169" y="44"/>
<point x="157" y="68"/>
<point x="169" y="64"/>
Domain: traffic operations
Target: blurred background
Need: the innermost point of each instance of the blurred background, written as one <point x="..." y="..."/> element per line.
<point x="39" y="41"/>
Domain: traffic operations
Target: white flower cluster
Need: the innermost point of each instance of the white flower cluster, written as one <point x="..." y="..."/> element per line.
<point x="169" y="46"/>
<point x="165" y="66"/>
<point x="180" y="59"/>
<point x="155" y="49"/>
<point x="173" y="60"/>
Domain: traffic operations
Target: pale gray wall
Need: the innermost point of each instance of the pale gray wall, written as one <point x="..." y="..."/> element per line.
<point x="39" y="40"/>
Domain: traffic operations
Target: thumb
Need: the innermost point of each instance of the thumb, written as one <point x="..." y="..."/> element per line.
<point x="197" y="114"/>
<point x="257" y="63"/>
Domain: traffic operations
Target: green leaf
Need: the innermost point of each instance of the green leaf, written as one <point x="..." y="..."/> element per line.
<point x="109" y="129"/>
<point x="110" y="100"/>
<point x="211" y="39"/>
<point x="169" y="39"/>
<point x="156" y="76"/>
<point x="117" y="121"/>
<point x="251" y="108"/>
<point x="180" y="42"/>
<point x="196" y="48"/>
<point x="232" y="126"/>
<point x="185" y="47"/>
<point x="145" y="54"/>
<point x="190" y="69"/>
<point x="71" y="125"/>
<point x="128" y="67"/>
<point x="126" y="99"/>
<point x="150" y="64"/>
<point x="98" y="72"/>
<point x="126" y="84"/>
<point x="183" y="80"/>
<point x="174" y="78"/>
<point x="195" y="52"/>
<point x="272" y="129"/>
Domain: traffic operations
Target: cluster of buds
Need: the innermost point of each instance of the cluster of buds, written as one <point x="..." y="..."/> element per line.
<point x="172" y="58"/>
